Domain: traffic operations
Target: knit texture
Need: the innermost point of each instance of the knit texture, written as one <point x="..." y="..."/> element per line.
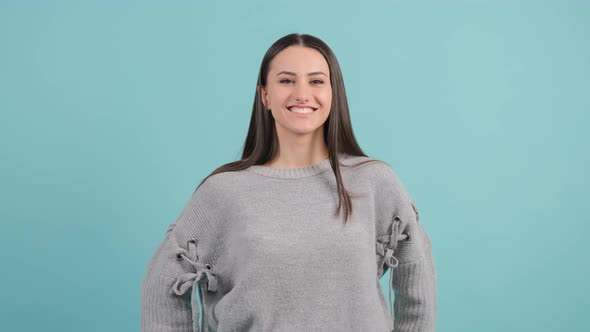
<point x="262" y="250"/>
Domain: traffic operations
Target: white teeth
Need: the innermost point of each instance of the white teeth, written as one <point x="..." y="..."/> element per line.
<point x="301" y="110"/>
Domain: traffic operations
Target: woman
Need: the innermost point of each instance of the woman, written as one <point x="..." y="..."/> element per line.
<point x="296" y="235"/>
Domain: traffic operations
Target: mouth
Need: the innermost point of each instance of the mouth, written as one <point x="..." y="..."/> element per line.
<point x="302" y="110"/>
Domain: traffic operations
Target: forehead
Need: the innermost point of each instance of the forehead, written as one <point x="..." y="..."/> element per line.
<point x="299" y="60"/>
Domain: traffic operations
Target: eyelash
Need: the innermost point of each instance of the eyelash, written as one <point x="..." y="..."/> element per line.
<point x="286" y="79"/>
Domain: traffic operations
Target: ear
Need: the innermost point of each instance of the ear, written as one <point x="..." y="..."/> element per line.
<point x="264" y="97"/>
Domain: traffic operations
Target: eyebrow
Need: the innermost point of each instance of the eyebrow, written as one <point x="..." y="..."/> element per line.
<point x="308" y="74"/>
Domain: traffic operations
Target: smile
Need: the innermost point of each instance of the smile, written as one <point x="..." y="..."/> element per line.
<point x="300" y="110"/>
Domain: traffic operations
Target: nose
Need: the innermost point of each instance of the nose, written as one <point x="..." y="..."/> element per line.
<point x="301" y="92"/>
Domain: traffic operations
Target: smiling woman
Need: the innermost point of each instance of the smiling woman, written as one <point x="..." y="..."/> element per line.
<point x="262" y="244"/>
<point x="299" y="95"/>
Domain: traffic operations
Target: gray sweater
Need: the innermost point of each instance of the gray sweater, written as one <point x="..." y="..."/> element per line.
<point x="262" y="250"/>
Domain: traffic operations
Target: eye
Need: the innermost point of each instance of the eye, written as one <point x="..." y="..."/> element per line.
<point x="286" y="80"/>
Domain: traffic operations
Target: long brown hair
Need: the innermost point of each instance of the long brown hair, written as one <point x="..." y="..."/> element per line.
<point x="262" y="143"/>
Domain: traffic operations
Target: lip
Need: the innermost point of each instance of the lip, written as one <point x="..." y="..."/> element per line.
<point x="302" y="115"/>
<point x="302" y="106"/>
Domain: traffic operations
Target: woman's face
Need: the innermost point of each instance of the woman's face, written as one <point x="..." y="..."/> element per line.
<point x="298" y="76"/>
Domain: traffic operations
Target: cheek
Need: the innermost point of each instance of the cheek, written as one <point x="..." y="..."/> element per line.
<point x="280" y="96"/>
<point x="326" y="98"/>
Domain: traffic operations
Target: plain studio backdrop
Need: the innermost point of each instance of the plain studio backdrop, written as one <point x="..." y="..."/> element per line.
<point x="113" y="111"/>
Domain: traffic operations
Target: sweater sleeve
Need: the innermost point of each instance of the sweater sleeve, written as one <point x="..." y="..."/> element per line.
<point x="404" y="248"/>
<point x="414" y="278"/>
<point x="171" y="288"/>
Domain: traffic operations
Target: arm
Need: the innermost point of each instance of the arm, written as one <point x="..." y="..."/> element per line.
<point x="414" y="278"/>
<point x="404" y="248"/>
<point x="161" y="309"/>
<point x="170" y="287"/>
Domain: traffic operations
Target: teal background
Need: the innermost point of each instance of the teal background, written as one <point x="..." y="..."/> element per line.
<point x="112" y="113"/>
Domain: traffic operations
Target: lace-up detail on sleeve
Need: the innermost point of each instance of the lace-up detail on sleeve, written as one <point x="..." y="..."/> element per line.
<point x="190" y="280"/>
<point x="386" y="246"/>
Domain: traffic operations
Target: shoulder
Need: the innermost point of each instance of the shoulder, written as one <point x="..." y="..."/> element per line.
<point x="375" y="171"/>
<point x="219" y="187"/>
<point x="390" y="193"/>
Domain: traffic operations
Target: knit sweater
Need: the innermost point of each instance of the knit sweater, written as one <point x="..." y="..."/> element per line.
<point x="262" y="249"/>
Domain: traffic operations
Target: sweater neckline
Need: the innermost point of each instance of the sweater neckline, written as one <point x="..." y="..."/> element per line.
<point x="295" y="172"/>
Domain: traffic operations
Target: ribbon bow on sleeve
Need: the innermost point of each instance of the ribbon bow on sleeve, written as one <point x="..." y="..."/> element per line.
<point x="190" y="280"/>
<point x="386" y="246"/>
